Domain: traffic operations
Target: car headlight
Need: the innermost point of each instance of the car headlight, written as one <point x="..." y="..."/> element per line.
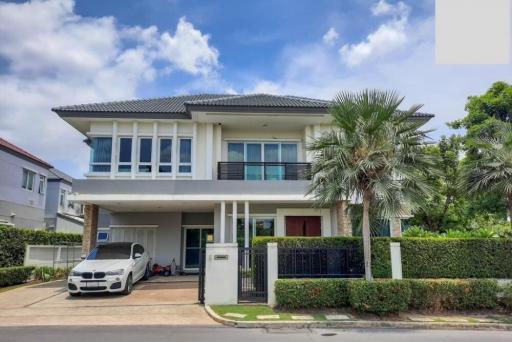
<point x="75" y="273"/>
<point x="115" y="272"/>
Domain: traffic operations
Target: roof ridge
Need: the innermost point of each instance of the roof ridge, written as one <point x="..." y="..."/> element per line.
<point x="227" y="96"/>
<point x="310" y="99"/>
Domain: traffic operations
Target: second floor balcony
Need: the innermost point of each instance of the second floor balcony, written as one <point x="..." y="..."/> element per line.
<point x="263" y="171"/>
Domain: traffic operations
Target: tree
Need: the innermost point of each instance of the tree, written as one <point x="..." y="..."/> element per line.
<point x="492" y="172"/>
<point x="441" y="206"/>
<point x="374" y="154"/>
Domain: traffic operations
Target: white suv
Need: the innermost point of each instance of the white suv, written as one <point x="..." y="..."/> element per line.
<point x="111" y="267"/>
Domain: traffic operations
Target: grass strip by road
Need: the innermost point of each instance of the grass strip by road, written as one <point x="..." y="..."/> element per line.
<point x="252" y="311"/>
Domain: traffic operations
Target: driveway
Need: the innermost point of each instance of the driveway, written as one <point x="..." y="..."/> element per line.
<point x="150" y="303"/>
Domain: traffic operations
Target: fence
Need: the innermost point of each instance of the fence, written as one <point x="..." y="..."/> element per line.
<point x="63" y="255"/>
<point x="332" y="262"/>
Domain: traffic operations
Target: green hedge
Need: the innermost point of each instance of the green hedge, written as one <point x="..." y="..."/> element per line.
<point x="312" y="293"/>
<point x="386" y="295"/>
<point x="13" y="241"/>
<point x="15" y="275"/>
<point x="505" y="298"/>
<point x="379" y="296"/>
<point x="423" y="257"/>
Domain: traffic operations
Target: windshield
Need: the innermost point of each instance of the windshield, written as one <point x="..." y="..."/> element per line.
<point x="105" y="252"/>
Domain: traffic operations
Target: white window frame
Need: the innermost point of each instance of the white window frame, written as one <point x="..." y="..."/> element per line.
<point x="139" y="163"/>
<point x="118" y="152"/>
<point x="179" y="155"/>
<point x="158" y="163"/>
<point x="109" y="163"/>
<point x="263" y="143"/>
<point x="30" y="173"/>
<point x="63" y="199"/>
<point x="42" y="185"/>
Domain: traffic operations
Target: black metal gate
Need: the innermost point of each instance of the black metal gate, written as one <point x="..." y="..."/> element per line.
<point x="252" y="275"/>
<point x="202" y="262"/>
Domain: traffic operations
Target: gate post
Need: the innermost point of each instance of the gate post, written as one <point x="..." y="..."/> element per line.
<point x="272" y="272"/>
<point x="396" y="260"/>
<point x="221" y="273"/>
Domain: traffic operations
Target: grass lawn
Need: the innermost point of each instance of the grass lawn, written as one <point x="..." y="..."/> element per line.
<point x="254" y="310"/>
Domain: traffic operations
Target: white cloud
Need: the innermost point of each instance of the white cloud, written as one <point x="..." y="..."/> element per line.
<point x="55" y="57"/>
<point x="388" y="37"/>
<point x="330" y="36"/>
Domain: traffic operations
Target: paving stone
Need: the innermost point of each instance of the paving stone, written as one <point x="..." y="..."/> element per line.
<point x="235" y="315"/>
<point x="303" y="317"/>
<point x="421" y="319"/>
<point x="453" y="319"/>
<point x="336" y="317"/>
<point x="263" y="317"/>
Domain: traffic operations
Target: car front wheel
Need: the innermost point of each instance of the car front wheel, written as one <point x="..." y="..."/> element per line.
<point x="128" y="287"/>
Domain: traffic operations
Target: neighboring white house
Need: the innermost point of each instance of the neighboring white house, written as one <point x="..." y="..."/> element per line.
<point x="62" y="215"/>
<point x="23" y="182"/>
<point x="177" y="172"/>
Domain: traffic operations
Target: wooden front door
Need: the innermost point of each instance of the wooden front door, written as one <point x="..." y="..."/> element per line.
<point x="303" y="226"/>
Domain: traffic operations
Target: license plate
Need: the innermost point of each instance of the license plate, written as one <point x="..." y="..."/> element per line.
<point x="92" y="284"/>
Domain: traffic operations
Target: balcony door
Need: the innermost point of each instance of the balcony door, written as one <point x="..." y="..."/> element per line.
<point x="303" y="226"/>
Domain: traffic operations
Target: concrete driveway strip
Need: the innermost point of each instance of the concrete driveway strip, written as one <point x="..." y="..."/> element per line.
<point x="149" y="304"/>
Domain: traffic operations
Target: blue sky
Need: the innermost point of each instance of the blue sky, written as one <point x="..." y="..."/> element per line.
<point x="57" y="52"/>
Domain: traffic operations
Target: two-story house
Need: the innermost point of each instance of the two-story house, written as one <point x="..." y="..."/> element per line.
<point x="61" y="214"/>
<point x="23" y="181"/>
<point x="178" y="172"/>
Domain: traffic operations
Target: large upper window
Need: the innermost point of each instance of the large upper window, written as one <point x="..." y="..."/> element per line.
<point x="185" y="165"/>
<point x="28" y="179"/>
<point x="145" y="146"/>
<point x="257" y="153"/>
<point x="101" y="151"/>
<point x="42" y="184"/>
<point x="125" y="155"/>
<point x="165" y="155"/>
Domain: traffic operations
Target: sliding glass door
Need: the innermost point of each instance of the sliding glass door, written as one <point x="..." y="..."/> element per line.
<point x="195" y="239"/>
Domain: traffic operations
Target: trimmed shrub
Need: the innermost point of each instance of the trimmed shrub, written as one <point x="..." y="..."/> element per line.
<point x="46" y="273"/>
<point x="505" y="298"/>
<point x="423" y="257"/>
<point x="13" y="241"/>
<point x="15" y="275"/>
<point x="311" y="293"/>
<point x="453" y="294"/>
<point x="379" y="296"/>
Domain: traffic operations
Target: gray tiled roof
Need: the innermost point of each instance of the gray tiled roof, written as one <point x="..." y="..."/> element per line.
<point x="177" y="106"/>
<point x="57" y="174"/>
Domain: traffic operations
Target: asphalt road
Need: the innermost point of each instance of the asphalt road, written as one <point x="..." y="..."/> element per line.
<point x="224" y="334"/>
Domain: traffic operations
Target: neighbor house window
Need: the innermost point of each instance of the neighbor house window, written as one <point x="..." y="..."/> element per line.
<point x="28" y="179"/>
<point x="125" y="155"/>
<point x="145" y="146"/>
<point x="165" y="156"/>
<point x="101" y="152"/>
<point x="62" y="198"/>
<point x="42" y="184"/>
<point x="185" y="165"/>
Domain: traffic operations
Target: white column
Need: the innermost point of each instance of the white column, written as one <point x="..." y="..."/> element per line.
<point x="272" y="272"/>
<point x="246" y="224"/>
<point x="218" y="146"/>
<point x="135" y="133"/>
<point x="175" y="150"/>
<point x="307" y="141"/>
<point x="222" y="222"/>
<point x="209" y="151"/>
<point x="154" y="146"/>
<point x="234" y="219"/>
<point x="113" y="157"/>
<point x="396" y="260"/>
<point x="194" y="150"/>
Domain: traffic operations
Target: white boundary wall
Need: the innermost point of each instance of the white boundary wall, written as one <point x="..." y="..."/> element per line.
<point x="59" y="256"/>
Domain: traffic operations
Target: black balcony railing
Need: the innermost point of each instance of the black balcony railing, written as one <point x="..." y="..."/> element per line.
<point x="263" y="171"/>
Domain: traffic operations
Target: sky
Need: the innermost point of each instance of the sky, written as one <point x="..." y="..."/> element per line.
<point x="62" y="52"/>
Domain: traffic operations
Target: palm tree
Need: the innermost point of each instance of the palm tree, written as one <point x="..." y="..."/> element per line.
<point x="492" y="172"/>
<point x="373" y="154"/>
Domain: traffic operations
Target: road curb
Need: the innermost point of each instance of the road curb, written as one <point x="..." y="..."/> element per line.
<point x="357" y="324"/>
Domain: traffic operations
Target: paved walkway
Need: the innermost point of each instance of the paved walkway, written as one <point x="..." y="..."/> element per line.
<point x="149" y="304"/>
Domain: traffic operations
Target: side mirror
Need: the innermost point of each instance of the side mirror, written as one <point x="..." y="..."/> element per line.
<point x="137" y="256"/>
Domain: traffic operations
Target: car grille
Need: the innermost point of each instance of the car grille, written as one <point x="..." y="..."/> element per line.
<point x="87" y="275"/>
<point x="96" y="288"/>
<point x="99" y="275"/>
